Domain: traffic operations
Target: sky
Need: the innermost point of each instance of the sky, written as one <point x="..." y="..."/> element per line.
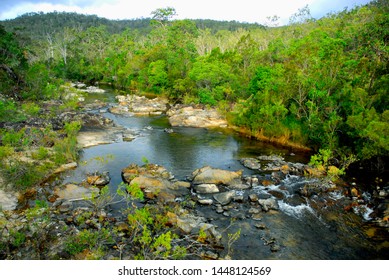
<point x="239" y="10"/>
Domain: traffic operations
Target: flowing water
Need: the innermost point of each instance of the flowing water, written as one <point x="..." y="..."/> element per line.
<point x="316" y="228"/>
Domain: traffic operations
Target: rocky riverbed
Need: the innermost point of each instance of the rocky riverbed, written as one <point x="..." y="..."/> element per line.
<point x="215" y="213"/>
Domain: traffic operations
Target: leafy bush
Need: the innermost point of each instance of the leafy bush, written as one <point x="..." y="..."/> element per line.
<point x="9" y="112"/>
<point x="31" y="109"/>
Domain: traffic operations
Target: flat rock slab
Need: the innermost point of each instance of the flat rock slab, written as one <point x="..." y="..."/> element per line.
<point x="99" y="137"/>
<point x="74" y="192"/>
<point x="65" y="167"/>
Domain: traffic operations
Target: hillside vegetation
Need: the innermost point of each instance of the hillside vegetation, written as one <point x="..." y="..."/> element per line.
<point x="321" y="84"/>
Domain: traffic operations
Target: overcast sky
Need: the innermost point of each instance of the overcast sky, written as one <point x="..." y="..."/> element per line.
<point x="239" y="10"/>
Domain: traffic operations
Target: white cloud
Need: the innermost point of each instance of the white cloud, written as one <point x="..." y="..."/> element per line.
<point x="239" y="10"/>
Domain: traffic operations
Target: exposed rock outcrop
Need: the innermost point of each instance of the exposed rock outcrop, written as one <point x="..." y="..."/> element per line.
<point x="155" y="181"/>
<point x="139" y="105"/>
<point x="209" y="175"/>
<point x="181" y="115"/>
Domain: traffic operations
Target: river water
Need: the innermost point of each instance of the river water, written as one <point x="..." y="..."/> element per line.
<point x="317" y="228"/>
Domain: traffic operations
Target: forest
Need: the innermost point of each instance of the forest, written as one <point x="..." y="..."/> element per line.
<point x="315" y="84"/>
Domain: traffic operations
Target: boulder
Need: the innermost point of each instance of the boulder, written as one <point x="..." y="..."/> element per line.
<point x="155" y="181"/>
<point x="98" y="179"/>
<point x="190" y="224"/>
<point x="268" y="204"/>
<point x="151" y="170"/>
<point x="206" y="188"/>
<point x="189" y="116"/>
<point x="205" y="201"/>
<point x="251" y="163"/>
<point x="140" y="105"/>
<point x="8" y="200"/>
<point x="224" y="198"/>
<point x="209" y="175"/>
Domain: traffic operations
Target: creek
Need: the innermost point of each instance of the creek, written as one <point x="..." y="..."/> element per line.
<point x="302" y="228"/>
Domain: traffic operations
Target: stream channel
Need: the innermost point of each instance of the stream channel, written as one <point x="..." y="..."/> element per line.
<point x="302" y="228"/>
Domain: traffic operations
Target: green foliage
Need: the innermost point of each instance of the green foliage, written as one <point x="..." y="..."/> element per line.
<point x="158" y="77"/>
<point x="323" y="161"/>
<point x="9" y="112"/>
<point x="152" y="237"/>
<point x="72" y="128"/>
<point x="232" y="238"/>
<point x="17" y="238"/>
<point x="31" y="109"/>
<point x="40" y="154"/>
<point x="145" y="160"/>
<point x="321" y="84"/>
<point x="135" y="191"/>
<point x="88" y="240"/>
<point x="6" y="151"/>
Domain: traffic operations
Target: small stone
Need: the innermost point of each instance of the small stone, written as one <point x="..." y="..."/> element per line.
<point x="354" y="192"/>
<point x="226" y="214"/>
<point x="253" y="210"/>
<point x="275" y="248"/>
<point x="267" y="183"/>
<point x="254" y="181"/>
<point x="256" y="217"/>
<point x="210" y="255"/>
<point x="253" y="197"/>
<point x="260" y="226"/>
<point x="238" y="198"/>
<point x="382" y="193"/>
<point x="219" y="209"/>
<point x="205" y="201"/>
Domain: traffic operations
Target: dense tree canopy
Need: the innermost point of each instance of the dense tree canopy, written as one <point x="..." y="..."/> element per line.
<point x="318" y="83"/>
